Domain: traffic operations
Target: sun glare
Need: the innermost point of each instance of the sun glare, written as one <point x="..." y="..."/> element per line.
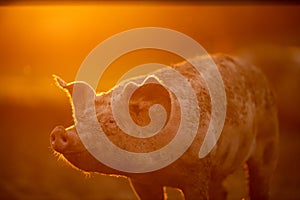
<point x="44" y="39"/>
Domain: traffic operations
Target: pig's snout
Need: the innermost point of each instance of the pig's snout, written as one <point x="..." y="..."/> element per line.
<point x="59" y="139"/>
<point x="66" y="141"/>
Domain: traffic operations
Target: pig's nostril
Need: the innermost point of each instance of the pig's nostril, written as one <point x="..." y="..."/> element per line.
<point x="52" y="138"/>
<point x="64" y="139"/>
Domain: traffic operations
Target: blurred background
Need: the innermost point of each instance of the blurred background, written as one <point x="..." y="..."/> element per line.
<point x="40" y="39"/>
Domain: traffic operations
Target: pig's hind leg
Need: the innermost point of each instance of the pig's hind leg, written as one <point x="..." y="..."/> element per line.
<point x="147" y="192"/>
<point x="262" y="163"/>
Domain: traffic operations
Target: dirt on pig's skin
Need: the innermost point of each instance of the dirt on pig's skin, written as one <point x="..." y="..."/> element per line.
<point x="250" y="134"/>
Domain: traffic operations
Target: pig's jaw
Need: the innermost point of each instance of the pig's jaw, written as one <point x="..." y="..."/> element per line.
<point x="67" y="145"/>
<point x="84" y="161"/>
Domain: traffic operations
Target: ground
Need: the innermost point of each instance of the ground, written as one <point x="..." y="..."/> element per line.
<point x="29" y="170"/>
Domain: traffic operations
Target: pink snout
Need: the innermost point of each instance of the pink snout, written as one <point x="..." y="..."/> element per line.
<point x="66" y="140"/>
<point x="59" y="139"/>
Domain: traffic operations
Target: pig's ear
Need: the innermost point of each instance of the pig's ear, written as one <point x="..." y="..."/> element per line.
<point x="152" y="79"/>
<point x="130" y="86"/>
<point x="62" y="84"/>
<point x="83" y="100"/>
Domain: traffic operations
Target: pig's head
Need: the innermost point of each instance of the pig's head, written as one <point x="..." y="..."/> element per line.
<point x="66" y="141"/>
<point x="69" y="141"/>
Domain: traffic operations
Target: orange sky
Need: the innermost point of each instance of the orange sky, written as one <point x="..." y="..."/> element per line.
<point x="39" y="40"/>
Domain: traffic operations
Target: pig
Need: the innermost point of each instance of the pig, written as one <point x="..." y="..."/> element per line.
<point x="249" y="136"/>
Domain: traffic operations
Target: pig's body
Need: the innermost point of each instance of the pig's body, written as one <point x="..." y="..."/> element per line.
<point x="250" y="135"/>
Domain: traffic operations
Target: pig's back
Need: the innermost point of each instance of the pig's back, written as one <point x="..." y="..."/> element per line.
<point x="248" y="99"/>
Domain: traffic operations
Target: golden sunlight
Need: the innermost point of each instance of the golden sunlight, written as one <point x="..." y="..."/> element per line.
<point x="44" y="38"/>
<point x="40" y="40"/>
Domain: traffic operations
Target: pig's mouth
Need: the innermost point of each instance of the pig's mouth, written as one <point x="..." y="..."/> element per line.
<point x="66" y="141"/>
<point x="67" y="146"/>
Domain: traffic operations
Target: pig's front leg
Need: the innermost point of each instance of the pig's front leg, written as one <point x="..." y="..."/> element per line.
<point x="196" y="192"/>
<point x="197" y="185"/>
<point x="147" y="192"/>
